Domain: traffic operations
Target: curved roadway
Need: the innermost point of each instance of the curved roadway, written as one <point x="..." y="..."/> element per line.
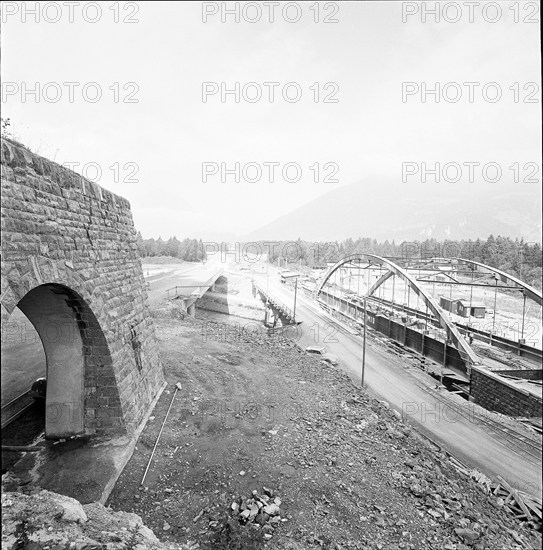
<point x="464" y="438"/>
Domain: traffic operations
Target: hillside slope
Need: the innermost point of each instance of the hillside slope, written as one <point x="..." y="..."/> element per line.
<point x="386" y="210"/>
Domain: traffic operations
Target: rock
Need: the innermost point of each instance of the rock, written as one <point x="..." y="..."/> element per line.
<point x="253" y="511"/>
<point x="380" y="522"/>
<point x="147" y="534"/>
<point x="71" y="508"/>
<point x="261" y="518"/>
<point x="271" y="509"/>
<point x="417" y="490"/>
<point x="54" y="521"/>
<point x="242" y="473"/>
<point x="198" y="516"/>
<point x="245" y="514"/>
<point x="468" y="535"/>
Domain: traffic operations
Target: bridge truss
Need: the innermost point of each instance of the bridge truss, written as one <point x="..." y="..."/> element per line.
<point x="367" y="275"/>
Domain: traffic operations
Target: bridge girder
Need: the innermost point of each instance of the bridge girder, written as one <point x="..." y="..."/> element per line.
<point x="504" y="277"/>
<point x="452" y="332"/>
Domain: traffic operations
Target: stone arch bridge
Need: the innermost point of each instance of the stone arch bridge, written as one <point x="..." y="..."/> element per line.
<point x="71" y="265"/>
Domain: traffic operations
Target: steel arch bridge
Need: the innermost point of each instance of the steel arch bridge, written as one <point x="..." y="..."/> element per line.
<point x="435" y="265"/>
<point x="393" y="269"/>
<point x="511" y="282"/>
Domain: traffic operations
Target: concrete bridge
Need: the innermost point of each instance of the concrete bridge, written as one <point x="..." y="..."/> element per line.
<point x="71" y="265"/>
<point x="190" y="292"/>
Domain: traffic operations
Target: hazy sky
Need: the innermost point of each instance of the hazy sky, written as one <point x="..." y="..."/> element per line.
<point x="169" y="132"/>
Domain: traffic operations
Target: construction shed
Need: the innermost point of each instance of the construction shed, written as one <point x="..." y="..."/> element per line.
<point x="449" y="304"/>
<point x="475" y="309"/>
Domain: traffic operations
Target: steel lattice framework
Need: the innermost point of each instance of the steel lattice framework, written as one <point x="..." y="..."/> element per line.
<point x="393" y="269"/>
<point x="511" y="282"/>
<point x="451" y="268"/>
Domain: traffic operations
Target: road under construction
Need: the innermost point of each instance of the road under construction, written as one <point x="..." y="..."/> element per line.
<point x="470" y="320"/>
<point x="468" y="429"/>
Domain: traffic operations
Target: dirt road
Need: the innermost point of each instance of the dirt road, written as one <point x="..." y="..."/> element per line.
<point x="258" y="412"/>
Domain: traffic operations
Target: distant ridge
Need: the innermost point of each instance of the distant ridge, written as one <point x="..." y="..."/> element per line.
<point x="383" y="209"/>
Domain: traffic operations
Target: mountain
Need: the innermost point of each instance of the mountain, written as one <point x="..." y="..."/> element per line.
<point x="383" y="209"/>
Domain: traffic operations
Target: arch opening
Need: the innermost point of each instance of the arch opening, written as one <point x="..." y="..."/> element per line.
<point x="23" y="357"/>
<point x="82" y="394"/>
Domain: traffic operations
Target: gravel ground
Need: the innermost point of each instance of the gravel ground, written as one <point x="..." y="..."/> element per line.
<point x="258" y="419"/>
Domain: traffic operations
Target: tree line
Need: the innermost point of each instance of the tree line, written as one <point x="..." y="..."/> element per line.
<point x="188" y="250"/>
<point x="514" y="256"/>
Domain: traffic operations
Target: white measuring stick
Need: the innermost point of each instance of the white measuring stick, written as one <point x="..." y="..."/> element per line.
<point x="177" y="387"/>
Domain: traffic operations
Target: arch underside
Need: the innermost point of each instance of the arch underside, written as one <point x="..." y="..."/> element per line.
<point x="451" y="331"/>
<point x="82" y="392"/>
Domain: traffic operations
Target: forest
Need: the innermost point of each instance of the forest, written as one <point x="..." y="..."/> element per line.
<point x="514" y="256"/>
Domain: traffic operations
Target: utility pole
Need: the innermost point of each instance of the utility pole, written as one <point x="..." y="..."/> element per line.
<point x="523" y="314"/>
<point x="495" y="300"/>
<point x="358" y="291"/>
<point x="393" y="285"/>
<point x="444" y="359"/>
<point x="295" y="294"/>
<point x="470" y="301"/>
<point x="364" y="346"/>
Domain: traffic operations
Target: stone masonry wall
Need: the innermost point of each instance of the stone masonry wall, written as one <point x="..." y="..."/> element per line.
<point x="60" y="229"/>
<point x="496" y="395"/>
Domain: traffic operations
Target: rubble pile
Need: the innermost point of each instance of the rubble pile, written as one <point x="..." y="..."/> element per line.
<point x="46" y="520"/>
<point x="347" y="469"/>
<point x="263" y="511"/>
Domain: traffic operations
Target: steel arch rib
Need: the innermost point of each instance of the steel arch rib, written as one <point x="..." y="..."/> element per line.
<point x="382" y="279"/>
<point x="452" y="332"/>
<point x="529" y="290"/>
